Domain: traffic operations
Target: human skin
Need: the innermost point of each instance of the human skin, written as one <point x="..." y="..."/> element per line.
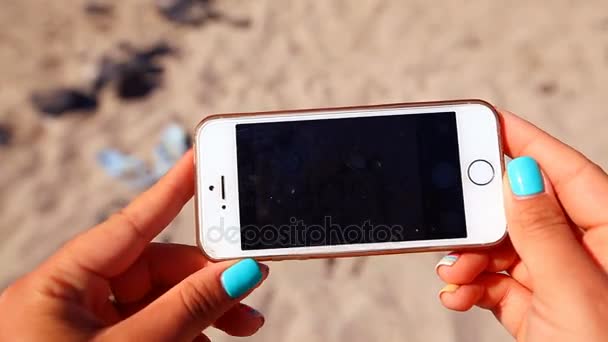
<point x="556" y="259"/>
<point x="111" y="283"/>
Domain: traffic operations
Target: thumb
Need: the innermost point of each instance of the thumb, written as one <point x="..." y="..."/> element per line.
<point x="195" y="303"/>
<point x="540" y="231"/>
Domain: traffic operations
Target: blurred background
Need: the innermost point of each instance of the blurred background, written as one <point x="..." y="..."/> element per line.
<point x="93" y="92"/>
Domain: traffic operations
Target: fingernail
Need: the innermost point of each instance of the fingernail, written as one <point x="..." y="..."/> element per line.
<point x="525" y="177"/>
<point x="448" y="260"/>
<point x="241" y="277"/>
<point x="255" y="313"/>
<point x="449" y="288"/>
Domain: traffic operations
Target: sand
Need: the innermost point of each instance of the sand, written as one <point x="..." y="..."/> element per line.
<point x="547" y="60"/>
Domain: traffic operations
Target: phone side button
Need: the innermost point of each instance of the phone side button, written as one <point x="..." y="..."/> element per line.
<point x="481" y="172"/>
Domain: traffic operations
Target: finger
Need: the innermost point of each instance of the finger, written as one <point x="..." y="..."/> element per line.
<point x="460" y="297"/>
<point x="506" y="298"/>
<point x="240" y="320"/>
<point x="519" y="272"/>
<point x="195" y="303"/>
<point x="580" y="185"/>
<point x="469" y="266"/>
<point x="111" y="247"/>
<point x="596" y="240"/>
<point x="160" y="266"/>
<point x="464" y="267"/>
<point x="201" y="338"/>
<point x="127" y="309"/>
<point x="540" y="232"/>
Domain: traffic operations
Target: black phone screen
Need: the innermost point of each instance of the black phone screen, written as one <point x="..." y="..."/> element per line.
<point x="349" y="181"/>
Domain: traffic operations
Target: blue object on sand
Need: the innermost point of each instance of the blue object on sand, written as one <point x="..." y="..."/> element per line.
<point x="134" y="171"/>
<point x="122" y="166"/>
<point x="172" y="146"/>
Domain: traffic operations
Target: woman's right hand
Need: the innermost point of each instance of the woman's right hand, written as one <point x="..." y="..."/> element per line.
<point x="556" y="286"/>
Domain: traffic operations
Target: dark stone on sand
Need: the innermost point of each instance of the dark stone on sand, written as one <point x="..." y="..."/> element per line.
<point x="98" y="8"/>
<point x="6" y="135"/>
<point x="548" y="87"/>
<point x="135" y="83"/>
<point x="141" y="74"/>
<point x="195" y="12"/>
<point x="56" y="102"/>
<point x="185" y="12"/>
<point x="157" y="50"/>
<point x="136" y="75"/>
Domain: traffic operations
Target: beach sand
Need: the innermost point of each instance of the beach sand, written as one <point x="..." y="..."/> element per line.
<point x="547" y="60"/>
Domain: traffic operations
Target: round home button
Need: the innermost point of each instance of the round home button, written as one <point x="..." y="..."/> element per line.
<point x="481" y="172"/>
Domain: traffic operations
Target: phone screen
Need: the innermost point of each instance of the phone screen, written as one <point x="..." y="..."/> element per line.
<point x="349" y="181"/>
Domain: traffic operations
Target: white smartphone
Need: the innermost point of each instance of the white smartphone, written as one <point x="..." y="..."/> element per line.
<point x="349" y="181"/>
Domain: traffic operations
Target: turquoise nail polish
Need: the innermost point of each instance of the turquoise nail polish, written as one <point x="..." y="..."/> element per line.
<point x="241" y="277"/>
<point x="525" y="177"/>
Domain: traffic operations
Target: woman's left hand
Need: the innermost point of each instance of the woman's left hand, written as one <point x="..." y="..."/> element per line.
<point x="111" y="283"/>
